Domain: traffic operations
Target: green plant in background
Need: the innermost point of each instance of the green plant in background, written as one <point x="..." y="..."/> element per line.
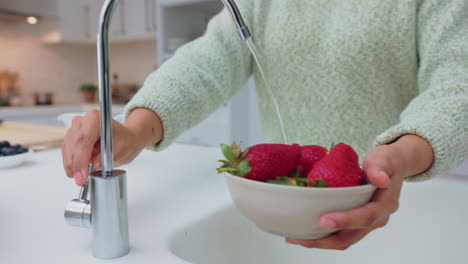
<point x="89" y="92"/>
<point x="88" y="87"/>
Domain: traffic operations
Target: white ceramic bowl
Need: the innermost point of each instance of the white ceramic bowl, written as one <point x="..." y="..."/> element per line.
<point x="291" y="211"/>
<point x="14" y="160"/>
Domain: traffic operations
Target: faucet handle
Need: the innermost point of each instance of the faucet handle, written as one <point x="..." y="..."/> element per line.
<point x="84" y="190"/>
<point x="78" y="211"/>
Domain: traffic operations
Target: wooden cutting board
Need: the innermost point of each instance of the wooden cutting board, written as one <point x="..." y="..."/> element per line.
<point x="31" y="135"/>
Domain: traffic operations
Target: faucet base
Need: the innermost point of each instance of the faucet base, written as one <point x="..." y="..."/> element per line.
<point x="109" y="214"/>
<point x="78" y="213"/>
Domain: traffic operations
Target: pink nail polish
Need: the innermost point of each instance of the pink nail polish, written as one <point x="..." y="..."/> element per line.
<point x="328" y="222"/>
<point x="78" y="178"/>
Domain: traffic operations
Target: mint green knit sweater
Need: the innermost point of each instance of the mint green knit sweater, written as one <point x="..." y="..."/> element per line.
<point x="363" y="72"/>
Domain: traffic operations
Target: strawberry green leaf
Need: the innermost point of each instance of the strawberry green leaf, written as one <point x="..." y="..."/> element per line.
<point x="332" y="146"/>
<point x="232" y="171"/>
<point x="227" y="151"/>
<point x="290" y="183"/>
<point x="283" y="180"/>
<point x="302" y="181"/>
<point x="244" y="167"/>
<point x="244" y="154"/>
<point x="274" y="181"/>
<point x="319" y="183"/>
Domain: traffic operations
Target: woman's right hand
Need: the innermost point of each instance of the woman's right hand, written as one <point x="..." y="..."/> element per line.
<point x="81" y="145"/>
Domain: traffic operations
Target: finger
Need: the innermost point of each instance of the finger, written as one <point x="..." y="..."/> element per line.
<point x="82" y="157"/>
<point x="96" y="160"/>
<point x="378" y="166"/>
<point x="356" y="218"/>
<point x="377" y="175"/>
<point x="84" y="140"/>
<point x="340" y="240"/>
<point x="384" y="202"/>
<point x="67" y="158"/>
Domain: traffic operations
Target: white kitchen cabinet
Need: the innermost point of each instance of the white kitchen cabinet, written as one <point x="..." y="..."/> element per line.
<point x="132" y="20"/>
<point x="34" y="7"/>
<point x="181" y="21"/>
<point x="75" y="20"/>
<point x="139" y="19"/>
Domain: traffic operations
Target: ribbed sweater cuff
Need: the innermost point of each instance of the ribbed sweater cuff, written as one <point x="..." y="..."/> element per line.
<point x="424" y="132"/>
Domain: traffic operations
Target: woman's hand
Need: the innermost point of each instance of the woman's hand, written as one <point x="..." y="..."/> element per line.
<point x="385" y="166"/>
<point x="81" y="145"/>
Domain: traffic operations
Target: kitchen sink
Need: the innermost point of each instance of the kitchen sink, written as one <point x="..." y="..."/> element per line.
<point x="227" y="237"/>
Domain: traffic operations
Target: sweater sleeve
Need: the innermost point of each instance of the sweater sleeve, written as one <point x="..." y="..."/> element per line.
<point x="439" y="114"/>
<point x="198" y="79"/>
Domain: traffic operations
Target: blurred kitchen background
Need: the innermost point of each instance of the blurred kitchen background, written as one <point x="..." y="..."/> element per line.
<point x="48" y="61"/>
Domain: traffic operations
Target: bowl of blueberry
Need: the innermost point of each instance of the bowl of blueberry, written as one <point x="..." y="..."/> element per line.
<point x="12" y="155"/>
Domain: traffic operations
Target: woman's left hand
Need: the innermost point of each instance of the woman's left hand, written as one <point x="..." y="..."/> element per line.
<point x="385" y="169"/>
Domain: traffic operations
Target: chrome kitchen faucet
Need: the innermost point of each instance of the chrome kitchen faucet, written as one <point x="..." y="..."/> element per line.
<point x="105" y="209"/>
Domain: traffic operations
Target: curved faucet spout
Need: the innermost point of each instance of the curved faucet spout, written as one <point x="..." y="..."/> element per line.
<point x="108" y="199"/>
<point x="109" y="223"/>
<point x="105" y="93"/>
<point x="242" y="28"/>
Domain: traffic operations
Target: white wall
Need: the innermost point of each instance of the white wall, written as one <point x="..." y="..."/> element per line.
<point x="44" y="67"/>
<point x="134" y="61"/>
<point x="61" y="68"/>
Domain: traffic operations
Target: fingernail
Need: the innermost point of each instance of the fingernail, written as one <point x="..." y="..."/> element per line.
<point x="78" y="178"/>
<point x="291" y="241"/>
<point x="327" y="222"/>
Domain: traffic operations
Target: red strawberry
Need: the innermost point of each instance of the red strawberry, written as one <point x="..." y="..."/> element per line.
<point x="260" y="162"/>
<point x="338" y="169"/>
<point x="309" y="156"/>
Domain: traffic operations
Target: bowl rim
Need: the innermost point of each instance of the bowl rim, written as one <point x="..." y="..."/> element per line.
<point x="264" y="185"/>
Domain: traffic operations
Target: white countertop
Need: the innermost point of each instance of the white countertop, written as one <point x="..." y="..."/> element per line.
<point x="48" y="114"/>
<point x="33" y="198"/>
<point x="171" y="190"/>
